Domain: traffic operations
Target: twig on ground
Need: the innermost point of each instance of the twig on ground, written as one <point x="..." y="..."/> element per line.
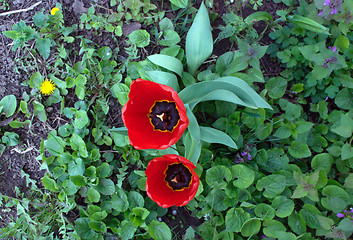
<point x="21" y="10"/>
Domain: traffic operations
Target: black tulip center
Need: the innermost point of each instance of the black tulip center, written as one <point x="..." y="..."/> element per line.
<point x="178" y="176"/>
<point x="164" y="116"/>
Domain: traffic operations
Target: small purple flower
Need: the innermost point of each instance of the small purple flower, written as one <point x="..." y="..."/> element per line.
<point x="249" y="157"/>
<point x="340" y="215"/>
<point x="344" y="210"/>
<point x="243" y="153"/>
<point x="331" y="7"/>
<point x="351" y="209"/>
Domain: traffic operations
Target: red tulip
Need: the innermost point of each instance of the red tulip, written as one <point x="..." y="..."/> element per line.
<point x="171" y="180"/>
<point x="154" y="115"/>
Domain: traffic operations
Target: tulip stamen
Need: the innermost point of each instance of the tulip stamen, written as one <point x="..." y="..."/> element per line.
<point x="164" y="116"/>
<point x="178" y="176"/>
<point x="160" y="116"/>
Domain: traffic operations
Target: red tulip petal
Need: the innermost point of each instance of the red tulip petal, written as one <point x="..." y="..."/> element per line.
<point x="158" y="189"/>
<point x="143" y="95"/>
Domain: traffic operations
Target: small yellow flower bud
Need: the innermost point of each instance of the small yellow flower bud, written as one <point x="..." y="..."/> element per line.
<point x="54" y="10"/>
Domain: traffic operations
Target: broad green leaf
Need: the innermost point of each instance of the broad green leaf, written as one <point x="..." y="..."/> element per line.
<point x="141" y="38"/>
<point x="273" y="160"/>
<point x="79" y="180"/>
<point x="99" y="216"/>
<point x="273" y="184"/>
<point x="83" y="229"/>
<point x="283" y="132"/>
<point x="93" y="195"/>
<point x="345" y="126"/>
<point x="171" y="63"/>
<point x="303" y="127"/>
<point x="299" y="150"/>
<point x="135" y="200"/>
<point x="8" y="105"/>
<point x="216" y="200"/>
<point x="43" y="46"/>
<point x="106" y="186"/>
<point x="272" y="227"/>
<point x="212" y="135"/>
<point x="344" y="99"/>
<point x="310" y="214"/>
<point x="81" y="119"/>
<point x="309" y="24"/>
<point x="103" y="170"/>
<point x="297" y="223"/>
<point x="180" y="3"/>
<point x="49" y="184"/>
<point x="189" y="234"/>
<point x="165" y="78"/>
<point x="76" y="167"/>
<point x="335" y="198"/>
<point x="98" y="226"/>
<point x="127" y="230"/>
<point x="54" y="144"/>
<point x="251" y="227"/>
<point x="77" y="144"/>
<point x="264" y="211"/>
<point x="286" y="236"/>
<point x="199" y="43"/>
<point x="119" y="200"/>
<point x="283" y="206"/>
<point x="322" y="161"/>
<point x="235" y="218"/>
<point x="159" y="230"/>
<point x="348" y="182"/>
<point x="342" y="42"/>
<point x="170" y="38"/>
<point x="243" y="175"/>
<point x="105" y="53"/>
<point x="276" y="87"/>
<point x="218" y="176"/>
<point x="346" y="151"/>
<point x="165" y="24"/>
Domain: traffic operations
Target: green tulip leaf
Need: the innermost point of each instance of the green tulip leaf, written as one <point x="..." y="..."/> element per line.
<point x="171" y="63"/>
<point x="165" y="78"/>
<point x="199" y="42"/>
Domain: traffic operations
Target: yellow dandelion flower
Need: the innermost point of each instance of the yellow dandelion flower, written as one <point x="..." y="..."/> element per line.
<point x="47" y="87"/>
<point x="54" y="10"/>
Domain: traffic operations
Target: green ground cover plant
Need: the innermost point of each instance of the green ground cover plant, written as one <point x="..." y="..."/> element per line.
<point x="257" y="156"/>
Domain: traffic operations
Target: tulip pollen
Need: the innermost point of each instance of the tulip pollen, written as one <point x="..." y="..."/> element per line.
<point x="164" y="116"/>
<point x="160" y="116"/>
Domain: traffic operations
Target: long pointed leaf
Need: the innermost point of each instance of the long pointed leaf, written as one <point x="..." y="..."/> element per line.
<point x="199" y="43"/>
<point x="165" y="78"/>
<point x="212" y="135"/>
<point x="237" y="82"/>
<point x="235" y="85"/>
<point x="220" y="95"/>
<point x="192" y="148"/>
<point x="171" y="63"/>
<point x="194" y="128"/>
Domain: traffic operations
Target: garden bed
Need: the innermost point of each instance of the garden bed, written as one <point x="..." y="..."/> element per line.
<point x="277" y="164"/>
